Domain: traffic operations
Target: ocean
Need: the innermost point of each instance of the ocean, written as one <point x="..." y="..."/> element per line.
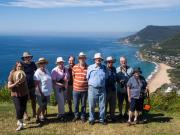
<point x="51" y="47"/>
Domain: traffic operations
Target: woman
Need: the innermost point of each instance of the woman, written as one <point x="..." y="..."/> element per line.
<point x="43" y="86"/>
<point x="60" y="83"/>
<point x="135" y="87"/>
<point x="19" y="92"/>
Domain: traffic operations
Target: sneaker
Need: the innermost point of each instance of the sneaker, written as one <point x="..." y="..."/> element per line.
<point x="104" y="123"/>
<point x="19" y="123"/>
<point x="62" y="118"/>
<point x="91" y="122"/>
<point x="83" y="120"/>
<point x="136" y="122"/>
<point x="20" y="127"/>
<point x="129" y="123"/>
<point x="75" y="119"/>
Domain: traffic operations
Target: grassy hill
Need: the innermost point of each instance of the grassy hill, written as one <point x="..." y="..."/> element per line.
<point x="152" y="35"/>
<point x="164" y="119"/>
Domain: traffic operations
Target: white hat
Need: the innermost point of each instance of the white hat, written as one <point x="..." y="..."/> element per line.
<point x="82" y="54"/>
<point x="110" y="58"/>
<point x="98" y="56"/>
<point x="60" y="59"/>
<point x="26" y="54"/>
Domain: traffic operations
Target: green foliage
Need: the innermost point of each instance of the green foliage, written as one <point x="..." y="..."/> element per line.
<point x="175" y="75"/>
<point x="169" y="102"/>
<point x="5" y="95"/>
<point x="52" y="99"/>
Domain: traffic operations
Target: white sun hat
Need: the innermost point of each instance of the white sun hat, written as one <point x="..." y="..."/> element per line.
<point x="60" y="59"/>
<point x="110" y="58"/>
<point x="82" y="54"/>
<point x="98" y="56"/>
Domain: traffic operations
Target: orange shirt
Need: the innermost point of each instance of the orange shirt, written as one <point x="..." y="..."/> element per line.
<point x="80" y="82"/>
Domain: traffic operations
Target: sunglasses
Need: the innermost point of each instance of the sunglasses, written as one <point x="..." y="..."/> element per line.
<point x="27" y="57"/>
<point x="110" y="62"/>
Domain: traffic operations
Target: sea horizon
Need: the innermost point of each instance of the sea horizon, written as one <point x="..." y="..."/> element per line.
<point x="51" y="47"/>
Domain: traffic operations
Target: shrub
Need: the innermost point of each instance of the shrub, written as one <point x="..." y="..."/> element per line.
<point x="165" y="101"/>
<point x="4" y="94"/>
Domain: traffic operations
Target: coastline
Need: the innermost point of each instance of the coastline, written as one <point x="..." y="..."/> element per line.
<point x="158" y="77"/>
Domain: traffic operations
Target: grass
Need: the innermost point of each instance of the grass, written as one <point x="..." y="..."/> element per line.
<point x="161" y="123"/>
<point x="164" y="119"/>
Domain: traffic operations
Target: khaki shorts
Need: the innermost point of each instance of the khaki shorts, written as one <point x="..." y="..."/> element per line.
<point x="68" y="93"/>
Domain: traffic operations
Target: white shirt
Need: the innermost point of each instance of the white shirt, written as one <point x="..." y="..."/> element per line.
<point x="45" y="82"/>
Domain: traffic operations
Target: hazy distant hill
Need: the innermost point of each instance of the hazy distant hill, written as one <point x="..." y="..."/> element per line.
<point x="152" y="35"/>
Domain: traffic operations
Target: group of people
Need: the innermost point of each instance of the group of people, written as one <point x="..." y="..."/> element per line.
<point x="100" y="83"/>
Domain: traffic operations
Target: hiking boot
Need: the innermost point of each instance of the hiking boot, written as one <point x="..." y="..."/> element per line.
<point x="91" y="122"/>
<point x="75" y="119"/>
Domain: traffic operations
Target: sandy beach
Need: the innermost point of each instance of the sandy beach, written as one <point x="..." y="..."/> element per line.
<point x="159" y="77"/>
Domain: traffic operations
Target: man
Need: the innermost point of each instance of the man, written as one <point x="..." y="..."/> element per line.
<point x="29" y="69"/>
<point x="135" y="87"/>
<point x="111" y="87"/>
<point x="80" y="87"/>
<point x="96" y="76"/>
<point x="69" y="90"/>
<point x="124" y="72"/>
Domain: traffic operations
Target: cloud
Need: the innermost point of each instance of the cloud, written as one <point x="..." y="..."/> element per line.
<point x="107" y="5"/>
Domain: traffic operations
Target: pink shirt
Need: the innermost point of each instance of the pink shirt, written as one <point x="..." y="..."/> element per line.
<point x="58" y="74"/>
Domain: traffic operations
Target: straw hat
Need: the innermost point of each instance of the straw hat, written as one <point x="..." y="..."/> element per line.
<point x="110" y="58"/>
<point x="26" y="54"/>
<point x="82" y="55"/>
<point x="19" y="76"/>
<point x="59" y="59"/>
<point x="98" y="56"/>
<point x="42" y="60"/>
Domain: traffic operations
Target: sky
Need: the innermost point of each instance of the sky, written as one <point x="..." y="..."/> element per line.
<point x="79" y="16"/>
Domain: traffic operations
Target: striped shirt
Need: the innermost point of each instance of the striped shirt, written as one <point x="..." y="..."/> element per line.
<point x="80" y="82"/>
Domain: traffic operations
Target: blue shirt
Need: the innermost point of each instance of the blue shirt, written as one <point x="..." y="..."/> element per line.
<point x="96" y="75"/>
<point x="135" y="86"/>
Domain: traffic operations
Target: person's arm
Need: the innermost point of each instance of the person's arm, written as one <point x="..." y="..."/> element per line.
<point x="66" y="79"/>
<point x="37" y="86"/>
<point x="12" y="85"/>
<point x="88" y="73"/>
<point x="129" y="90"/>
<point x="129" y="94"/>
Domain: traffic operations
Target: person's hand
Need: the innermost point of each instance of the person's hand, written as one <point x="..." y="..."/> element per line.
<point x="17" y="83"/>
<point x="129" y="99"/>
